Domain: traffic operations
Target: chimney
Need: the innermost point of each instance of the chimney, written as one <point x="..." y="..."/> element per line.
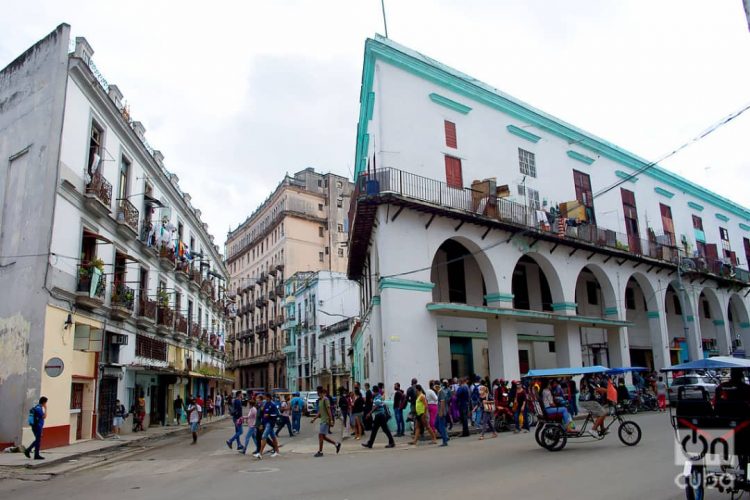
<point x="158" y="158"/>
<point x="115" y="94"/>
<point x="140" y="130"/>
<point x="83" y="49"/>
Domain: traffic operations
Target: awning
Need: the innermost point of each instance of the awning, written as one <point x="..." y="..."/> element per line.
<point x="567" y="372"/>
<point x="129" y="257"/>
<point x="715" y="363"/>
<point x="90" y="234"/>
<point x="152" y="201"/>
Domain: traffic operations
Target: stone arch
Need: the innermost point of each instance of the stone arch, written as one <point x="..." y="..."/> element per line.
<point x="461" y="272"/>
<point x="711" y="317"/>
<point x="681" y="322"/>
<point x="646" y="337"/>
<point x="607" y="299"/>
<point x="548" y="274"/>
<point x="738" y="321"/>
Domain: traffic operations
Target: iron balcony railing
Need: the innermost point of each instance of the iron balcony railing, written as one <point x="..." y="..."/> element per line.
<point x="86" y="285"/>
<point x="101" y="189"/>
<point x="128" y="214"/>
<point x="181" y="323"/>
<point x="468" y="201"/>
<point x="165" y="316"/>
<point x="147" y="309"/>
<point x="122" y="296"/>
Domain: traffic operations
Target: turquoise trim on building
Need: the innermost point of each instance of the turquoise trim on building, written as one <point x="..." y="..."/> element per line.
<point x="609" y="311"/>
<point x="695" y="206"/>
<point x="432" y="71"/>
<point x="663" y="192"/>
<point x="744" y="227"/>
<point x="564" y="306"/>
<point x="462" y="334"/>
<point x="578" y="156"/>
<point x="719" y="322"/>
<point x="524" y="134"/>
<point x="652" y="314"/>
<point x="376" y="300"/>
<point x="744" y="325"/>
<point x="690" y="319"/>
<point x="370" y="105"/>
<point x="450" y="103"/>
<point x="626" y="176"/>
<point x="489" y="312"/>
<point x="365" y="146"/>
<point x="498" y="297"/>
<point x="418" y="286"/>
<point x="722" y="217"/>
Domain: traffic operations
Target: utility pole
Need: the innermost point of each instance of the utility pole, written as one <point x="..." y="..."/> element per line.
<point x="683" y="292"/>
<point x="385" y="23"/>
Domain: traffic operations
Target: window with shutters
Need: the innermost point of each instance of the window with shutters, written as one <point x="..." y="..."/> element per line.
<point x="450" y="135"/>
<point x="453" y="173"/>
<point x="667" y="224"/>
<point x="700" y="236"/>
<point x="531" y="197"/>
<point x="725" y="242"/>
<point x="527" y="162"/>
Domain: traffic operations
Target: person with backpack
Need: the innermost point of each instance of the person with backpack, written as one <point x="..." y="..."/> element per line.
<point x="345" y="410"/>
<point x="118" y="418"/>
<point x="270" y="415"/>
<point x="380" y="416"/>
<point x="298" y="405"/>
<point x="37" y="415"/>
<point x="476" y="412"/>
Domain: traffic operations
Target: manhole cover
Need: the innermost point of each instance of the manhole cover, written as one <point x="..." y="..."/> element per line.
<point x="260" y="470"/>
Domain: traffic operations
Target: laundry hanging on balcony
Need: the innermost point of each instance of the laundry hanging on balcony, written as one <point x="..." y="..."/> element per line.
<point x="96" y="276"/>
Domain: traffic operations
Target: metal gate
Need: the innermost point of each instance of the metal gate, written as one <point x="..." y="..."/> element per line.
<point x="107" y="400"/>
<point x="76" y="403"/>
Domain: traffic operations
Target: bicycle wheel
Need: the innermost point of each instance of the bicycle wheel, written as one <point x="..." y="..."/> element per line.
<point x="538" y="435"/>
<point x="553" y="437"/>
<point x="694" y="489"/>
<point x="629" y="433"/>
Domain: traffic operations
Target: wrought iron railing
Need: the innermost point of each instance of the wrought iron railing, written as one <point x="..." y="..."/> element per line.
<point x="100" y="188"/>
<point x="128" y="214"/>
<point x="122" y="296"/>
<point x="165" y="316"/>
<point x="532" y="221"/>
<point x="147" y="309"/>
<point x="87" y="283"/>
<point x="181" y="323"/>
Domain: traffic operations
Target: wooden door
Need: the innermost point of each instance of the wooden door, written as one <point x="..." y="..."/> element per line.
<point x="631" y="220"/>
<point x="584" y="195"/>
<point x="666" y="222"/>
<point x="453" y="174"/>
<point x="76" y="403"/>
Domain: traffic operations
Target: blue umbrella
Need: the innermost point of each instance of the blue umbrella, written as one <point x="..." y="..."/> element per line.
<point x="715" y="363"/>
<point x="626" y="369"/>
<point x="566" y="372"/>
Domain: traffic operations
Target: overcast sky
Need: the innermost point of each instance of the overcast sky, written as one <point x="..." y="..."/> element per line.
<point x="235" y="94"/>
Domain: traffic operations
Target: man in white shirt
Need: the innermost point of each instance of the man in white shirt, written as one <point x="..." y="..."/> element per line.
<point x="218" y="406"/>
<point x="194" y="415"/>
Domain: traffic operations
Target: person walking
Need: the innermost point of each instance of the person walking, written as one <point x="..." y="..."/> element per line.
<point x="432" y="402"/>
<point x="297" y="404"/>
<point x="463" y="400"/>
<point x="218" y="405"/>
<point x="520" y="409"/>
<point x="661" y="394"/>
<point x="486" y="408"/>
<point x="325" y="414"/>
<point x="444" y="398"/>
<point x="252" y="427"/>
<point x="118" y="418"/>
<point x="421" y="419"/>
<point x="367" y="422"/>
<point x="285" y="417"/>
<point x="411" y="398"/>
<point x="37" y="415"/>
<point x="358" y="414"/>
<point x="345" y="409"/>
<point x="476" y="414"/>
<point x="179" y="408"/>
<point x="194" y="416"/>
<point x="270" y="415"/>
<point x="237" y="433"/>
<point x="399" y="403"/>
<point x="379" y="420"/>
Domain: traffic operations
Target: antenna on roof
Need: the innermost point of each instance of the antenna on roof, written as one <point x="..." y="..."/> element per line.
<point x="385" y="23"/>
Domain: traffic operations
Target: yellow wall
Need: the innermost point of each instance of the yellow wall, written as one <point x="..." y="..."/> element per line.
<point x="58" y="342"/>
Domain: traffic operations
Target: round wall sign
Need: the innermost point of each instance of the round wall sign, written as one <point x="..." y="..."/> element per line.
<point x="54" y="367"/>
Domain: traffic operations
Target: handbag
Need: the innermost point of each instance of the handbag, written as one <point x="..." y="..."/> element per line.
<point x="386" y="412"/>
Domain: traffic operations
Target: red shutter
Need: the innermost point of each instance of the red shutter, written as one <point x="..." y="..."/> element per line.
<point x="453" y="174"/>
<point x="450" y="135"/>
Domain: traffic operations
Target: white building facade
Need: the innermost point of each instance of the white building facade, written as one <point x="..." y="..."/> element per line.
<point x="320" y="311"/>
<point x="123" y="295"/>
<point x="492" y="238"/>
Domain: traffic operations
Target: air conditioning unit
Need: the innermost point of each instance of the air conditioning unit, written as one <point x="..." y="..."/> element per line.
<point x="119" y="339"/>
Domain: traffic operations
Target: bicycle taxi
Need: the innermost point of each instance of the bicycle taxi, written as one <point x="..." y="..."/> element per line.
<point x="713" y="433"/>
<point x="550" y="432"/>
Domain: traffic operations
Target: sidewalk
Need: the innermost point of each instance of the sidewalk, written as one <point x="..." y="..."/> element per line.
<point x="56" y="456"/>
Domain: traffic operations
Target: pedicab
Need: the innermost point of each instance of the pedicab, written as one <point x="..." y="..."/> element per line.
<point x="713" y="434"/>
<point x="636" y="398"/>
<point x="550" y="433"/>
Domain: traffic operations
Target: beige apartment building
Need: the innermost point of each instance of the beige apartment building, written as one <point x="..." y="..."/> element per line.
<point x="302" y="226"/>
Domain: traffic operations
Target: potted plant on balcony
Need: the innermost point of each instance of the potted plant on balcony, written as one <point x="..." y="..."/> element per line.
<point x="86" y="271"/>
<point x="162" y="298"/>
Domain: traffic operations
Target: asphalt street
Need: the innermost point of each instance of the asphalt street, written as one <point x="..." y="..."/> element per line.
<point x="510" y="466"/>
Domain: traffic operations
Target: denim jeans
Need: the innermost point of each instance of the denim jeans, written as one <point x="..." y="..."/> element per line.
<point x="36" y="445"/>
<point x="284" y="421"/>
<point x="440" y="423"/>
<point x="237" y="435"/>
<point x="296" y="421"/>
<point x="560" y="411"/>
<point x="477" y="417"/>
<point x="251" y="434"/>
<point x="398" y="414"/>
<point x="464" y="409"/>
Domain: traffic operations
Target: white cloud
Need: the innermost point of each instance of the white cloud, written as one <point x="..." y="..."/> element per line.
<point x="235" y="94"/>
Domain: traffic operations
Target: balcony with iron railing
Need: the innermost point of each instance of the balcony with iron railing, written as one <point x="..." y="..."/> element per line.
<point x="98" y="195"/>
<point x="127" y="218"/>
<point x="195" y="331"/>
<point x="121" y="303"/>
<point x="164" y="319"/>
<point x="183" y="269"/>
<point x="146" y="316"/>
<point x="91" y="286"/>
<point x="180" y="324"/>
<point x="390" y="185"/>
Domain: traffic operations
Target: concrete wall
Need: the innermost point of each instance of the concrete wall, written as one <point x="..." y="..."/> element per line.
<point x="32" y="99"/>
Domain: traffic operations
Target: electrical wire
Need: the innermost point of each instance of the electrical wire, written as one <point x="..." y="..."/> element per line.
<point x="641" y="170"/>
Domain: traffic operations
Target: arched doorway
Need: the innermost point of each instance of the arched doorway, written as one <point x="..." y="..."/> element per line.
<point x="682" y="336"/>
<point x="739" y="325"/>
<point x="595" y="297"/>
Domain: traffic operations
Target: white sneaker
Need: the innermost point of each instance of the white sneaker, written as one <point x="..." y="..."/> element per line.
<point x="258" y="456"/>
<point x="274" y="454"/>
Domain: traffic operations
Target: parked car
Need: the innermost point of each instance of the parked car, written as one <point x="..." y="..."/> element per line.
<point x="709" y="384"/>
<point x="311" y="402"/>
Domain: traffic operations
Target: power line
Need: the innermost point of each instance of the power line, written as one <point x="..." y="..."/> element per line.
<point x="646" y="167"/>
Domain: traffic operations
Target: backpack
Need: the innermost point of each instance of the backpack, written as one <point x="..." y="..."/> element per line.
<point x="475" y="394"/>
<point x="32" y="417"/>
<point x="386" y="412"/>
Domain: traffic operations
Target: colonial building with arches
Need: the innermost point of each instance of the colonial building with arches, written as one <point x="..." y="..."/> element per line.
<point x="491" y="238"/>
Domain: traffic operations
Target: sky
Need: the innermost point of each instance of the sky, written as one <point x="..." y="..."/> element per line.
<point x="236" y="94"/>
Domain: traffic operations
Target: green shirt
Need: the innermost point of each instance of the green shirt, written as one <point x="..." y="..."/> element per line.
<point x="324" y="410"/>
